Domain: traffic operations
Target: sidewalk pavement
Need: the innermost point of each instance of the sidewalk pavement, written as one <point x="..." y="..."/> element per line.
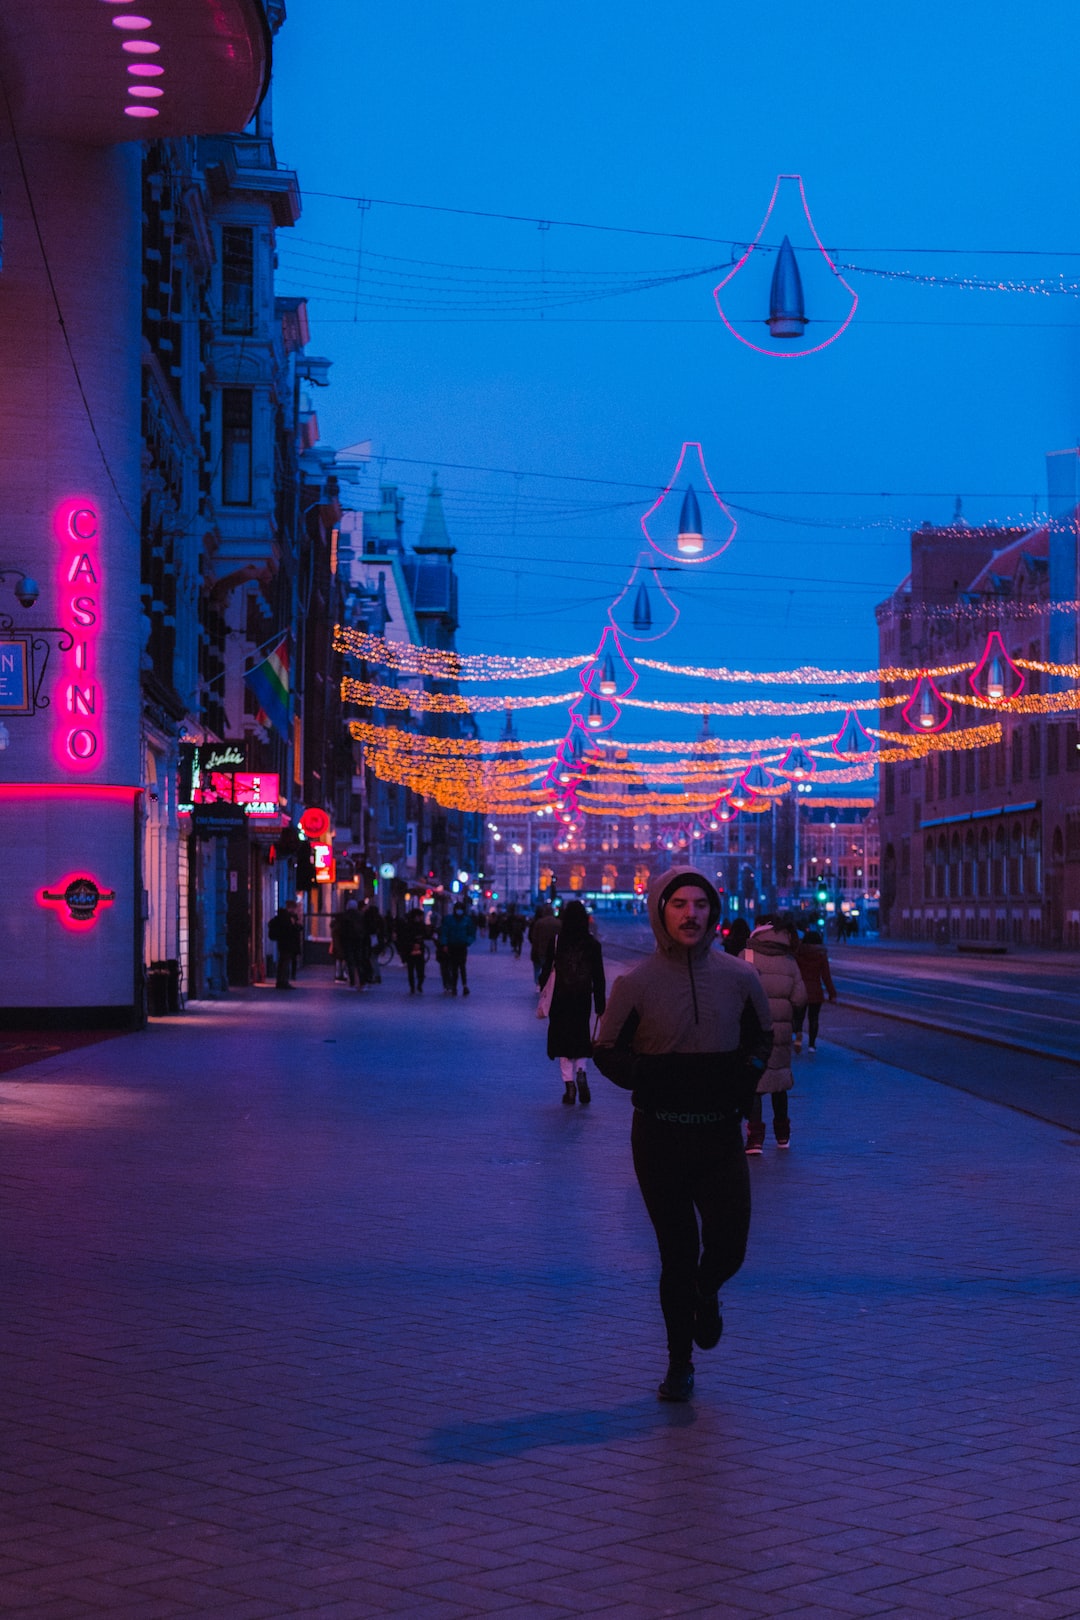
<point x="320" y="1304"/>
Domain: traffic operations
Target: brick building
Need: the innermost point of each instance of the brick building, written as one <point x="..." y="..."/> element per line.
<point x="984" y="844"/>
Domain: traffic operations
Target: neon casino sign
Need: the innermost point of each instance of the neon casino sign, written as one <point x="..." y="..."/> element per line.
<point x="80" y="704"/>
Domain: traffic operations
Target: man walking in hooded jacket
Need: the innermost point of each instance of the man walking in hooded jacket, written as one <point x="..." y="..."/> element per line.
<point x="689" y="1032"/>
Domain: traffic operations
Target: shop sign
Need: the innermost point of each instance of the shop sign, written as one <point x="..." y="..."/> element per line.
<point x="315" y="823"/>
<point x="217" y="820"/>
<point x="77" y="900"/>
<point x="323" y="856"/>
<point x="79" y="699"/>
<point x="15" y="694"/>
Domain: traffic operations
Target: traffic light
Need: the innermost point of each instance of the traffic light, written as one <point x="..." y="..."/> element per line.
<point x="822" y="894"/>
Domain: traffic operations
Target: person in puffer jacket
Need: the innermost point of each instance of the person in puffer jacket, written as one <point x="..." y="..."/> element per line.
<point x="688" y="1032"/>
<point x="771" y="950"/>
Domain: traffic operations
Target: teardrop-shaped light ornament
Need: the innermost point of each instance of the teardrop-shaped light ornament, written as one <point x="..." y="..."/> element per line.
<point x="609" y="673"/>
<point x="756" y="776"/>
<point x="995" y="676"/>
<point x="787" y="316"/>
<point x="696" y="538"/>
<point x="926" y="709"/>
<point x="645" y="589"/>
<point x="787" y="306"/>
<point x="853" y="741"/>
<point x="594" y="718"/>
<point x="797" y="763"/>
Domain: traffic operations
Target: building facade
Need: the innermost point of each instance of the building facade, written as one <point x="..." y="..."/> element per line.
<point x="983" y="845"/>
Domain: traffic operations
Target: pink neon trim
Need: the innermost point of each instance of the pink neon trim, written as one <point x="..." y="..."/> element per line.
<point x="989" y="651"/>
<point x="61" y="790"/>
<point x="852" y="719"/>
<point x="786" y="354"/>
<point x="797" y="744"/>
<point x="911" y="707"/>
<point x="73" y="924"/>
<point x="628" y="635"/>
<point x="677" y="556"/>
<point x="592" y="669"/>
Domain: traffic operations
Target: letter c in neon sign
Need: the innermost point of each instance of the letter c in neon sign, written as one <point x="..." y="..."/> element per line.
<point x="82" y="523"/>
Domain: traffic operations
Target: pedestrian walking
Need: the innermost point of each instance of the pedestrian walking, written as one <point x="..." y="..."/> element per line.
<point x="772" y="952"/>
<point x="284" y="930"/>
<point x="412" y="945"/>
<point x="457" y="933"/>
<point x="494" y="928"/>
<point x="354" y="937"/>
<point x="735" y="936"/>
<point x="577" y="962"/>
<point x="337" y="948"/>
<point x="688" y="1032"/>
<point x="542" y="930"/>
<point x="515" y="932"/>
<point x="296" y="937"/>
<point x="812" y="961"/>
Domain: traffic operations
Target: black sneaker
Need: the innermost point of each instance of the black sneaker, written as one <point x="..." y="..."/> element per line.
<point x="708" y="1323"/>
<point x="584" y="1094"/>
<point x="678" y="1383"/>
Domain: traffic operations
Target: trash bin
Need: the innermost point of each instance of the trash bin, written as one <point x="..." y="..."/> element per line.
<point x="172" y="971"/>
<point x="157" y="990"/>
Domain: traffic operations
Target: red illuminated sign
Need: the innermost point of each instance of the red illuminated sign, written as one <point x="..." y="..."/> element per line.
<point x="316" y="824"/>
<point x="76" y="900"/>
<point x="79" y="697"/>
<point x="325" y="866"/>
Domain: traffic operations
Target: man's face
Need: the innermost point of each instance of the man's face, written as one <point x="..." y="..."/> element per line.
<point x="686" y="915"/>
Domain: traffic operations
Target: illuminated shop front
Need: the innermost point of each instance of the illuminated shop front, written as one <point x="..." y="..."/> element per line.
<point x="83" y="84"/>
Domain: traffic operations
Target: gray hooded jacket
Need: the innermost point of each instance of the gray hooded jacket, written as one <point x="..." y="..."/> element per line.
<point x="688" y="1031"/>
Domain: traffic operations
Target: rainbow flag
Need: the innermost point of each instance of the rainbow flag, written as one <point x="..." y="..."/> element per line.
<point x="269" y="681"/>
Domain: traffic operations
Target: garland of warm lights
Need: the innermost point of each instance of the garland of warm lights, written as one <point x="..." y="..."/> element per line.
<point x="371" y="696"/>
<point x="1026" y="703"/>
<point x="759" y="706"/>
<point x="411" y="658"/>
<point x="807" y="676"/>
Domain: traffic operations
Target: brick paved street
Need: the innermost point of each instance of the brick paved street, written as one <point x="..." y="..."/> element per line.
<point x="322" y="1305"/>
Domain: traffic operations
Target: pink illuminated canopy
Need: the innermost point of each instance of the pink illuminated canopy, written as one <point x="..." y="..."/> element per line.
<point x="68" y="64"/>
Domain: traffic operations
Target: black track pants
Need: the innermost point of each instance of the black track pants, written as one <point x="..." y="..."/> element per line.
<point x="684" y="1172"/>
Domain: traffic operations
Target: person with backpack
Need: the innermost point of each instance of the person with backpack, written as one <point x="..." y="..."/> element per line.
<point x="457" y="933"/>
<point x="577" y="962"/>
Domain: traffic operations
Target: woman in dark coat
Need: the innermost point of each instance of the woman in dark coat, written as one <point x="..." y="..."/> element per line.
<point x="577" y="961"/>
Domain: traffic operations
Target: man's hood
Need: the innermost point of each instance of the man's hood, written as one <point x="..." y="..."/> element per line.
<point x="660" y="891"/>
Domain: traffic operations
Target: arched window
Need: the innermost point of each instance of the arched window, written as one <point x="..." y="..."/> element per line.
<point x="641" y="879"/>
<point x="1001" y="856"/>
<point x="1033" y="858"/>
<point x="609" y="879"/>
<point x="1016" y="859"/>
<point x="577" y="878"/>
<point x="984" y="864"/>
<point x="1057" y="846"/>
<point x="941" y="887"/>
<point x="970" y="875"/>
<point x="955" y="880"/>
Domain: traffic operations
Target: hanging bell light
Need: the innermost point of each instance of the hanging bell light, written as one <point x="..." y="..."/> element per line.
<point x="642" y="610"/>
<point x="853" y="741"/>
<point x="608" y="684"/>
<point x="927" y="709"/>
<point x="798" y="764"/>
<point x="690" y="539"/>
<point x="787" y="310"/>
<point x="594" y="719"/>
<point x="757" y="776"/>
<point x="995" y="676"/>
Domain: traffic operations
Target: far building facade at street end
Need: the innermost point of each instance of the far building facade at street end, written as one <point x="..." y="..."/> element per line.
<point x="982" y="845"/>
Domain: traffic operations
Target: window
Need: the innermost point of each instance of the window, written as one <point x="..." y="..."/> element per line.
<point x="969" y="770"/>
<point x="1017" y="751"/>
<point x="905" y="857"/>
<point x="1072" y="747"/>
<point x="238" y="280"/>
<point x="890" y="789"/>
<point x="1035" y="750"/>
<point x="236" y="446"/>
<point x="1052" y="736"/>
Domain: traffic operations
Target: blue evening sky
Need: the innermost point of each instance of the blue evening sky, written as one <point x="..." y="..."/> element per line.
<point x="915" y="126"/>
